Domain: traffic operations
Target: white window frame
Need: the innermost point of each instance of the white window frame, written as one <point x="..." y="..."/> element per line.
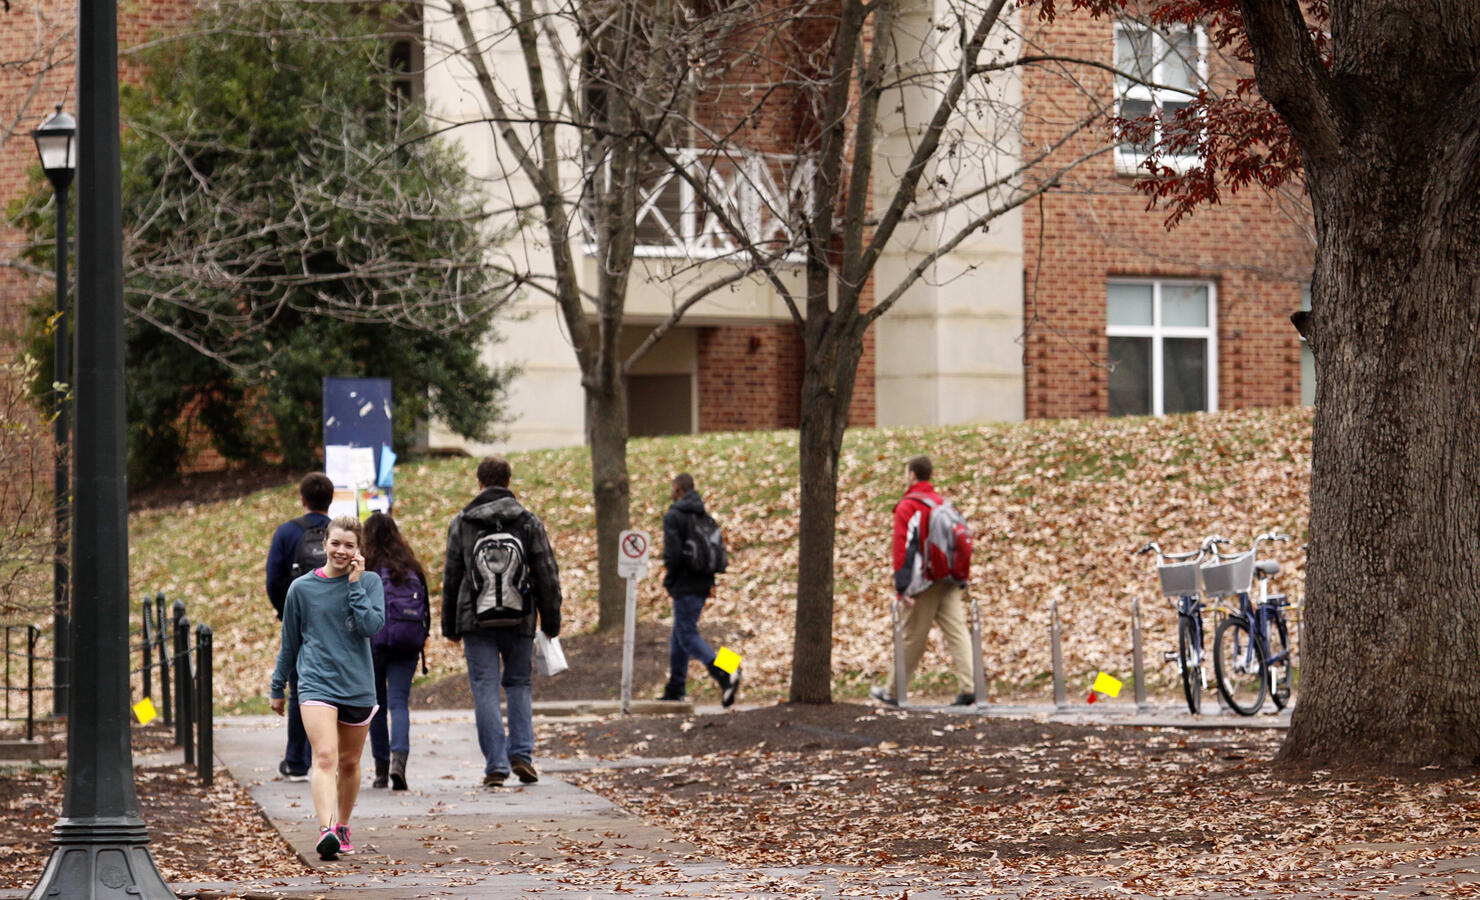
<point x="1158" y="332"/>
<point x="1127" y="159"/>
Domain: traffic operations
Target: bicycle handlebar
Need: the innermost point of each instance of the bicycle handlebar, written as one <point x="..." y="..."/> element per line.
<point x="1270" y="536"/>
<point x="1153" y="547"/>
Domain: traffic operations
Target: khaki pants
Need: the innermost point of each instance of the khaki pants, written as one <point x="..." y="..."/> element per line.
<point x="943" y="603"/>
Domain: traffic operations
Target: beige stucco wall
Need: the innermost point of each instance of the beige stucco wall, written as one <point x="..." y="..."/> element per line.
<point x="948" y="352"/>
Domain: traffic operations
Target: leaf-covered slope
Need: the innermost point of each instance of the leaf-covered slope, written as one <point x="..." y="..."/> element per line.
<point x="1057" y="508"/>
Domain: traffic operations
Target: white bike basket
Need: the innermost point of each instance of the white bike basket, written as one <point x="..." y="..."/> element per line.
<point x="1178" y="579"/>
<point x="1229" y="576"/>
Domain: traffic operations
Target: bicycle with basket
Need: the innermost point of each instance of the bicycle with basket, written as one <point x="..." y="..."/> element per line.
<point x="1251" y="649"/>
<point x="1181" y="585"/>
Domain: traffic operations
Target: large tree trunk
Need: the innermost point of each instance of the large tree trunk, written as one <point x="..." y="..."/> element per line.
<point x="606" y="416"/>
<point x="1392" y="651"/>
<point x="1393" y="619"/>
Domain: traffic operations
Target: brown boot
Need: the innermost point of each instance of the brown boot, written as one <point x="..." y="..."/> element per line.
<point x="382" y="772"/>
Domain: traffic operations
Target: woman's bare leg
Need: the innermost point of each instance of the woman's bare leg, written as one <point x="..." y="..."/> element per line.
<point x="322" y="725"/>
<point x="351" y="747"/>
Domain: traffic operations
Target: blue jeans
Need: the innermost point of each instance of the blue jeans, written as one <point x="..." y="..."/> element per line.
<point x="501" y="657"/>
<point x="298" y="755"/>
<point x="393" y="675"/>
<point x="685" y="643"/>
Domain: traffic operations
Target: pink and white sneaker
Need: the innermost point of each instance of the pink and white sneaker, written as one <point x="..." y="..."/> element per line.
<point x="341" y="831"/>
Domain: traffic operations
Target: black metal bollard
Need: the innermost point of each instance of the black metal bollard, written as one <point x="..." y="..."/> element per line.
<point x="32" y="633"/>
<point x="182" y="685"/>
<point x="161" y="634"/>
<point x="205" y="699"/>
<point x="147" y="669"/>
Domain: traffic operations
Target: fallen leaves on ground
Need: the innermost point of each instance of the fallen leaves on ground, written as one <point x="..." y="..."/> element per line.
<point x="973" y="802"/>
<point x="1057" y="508"/>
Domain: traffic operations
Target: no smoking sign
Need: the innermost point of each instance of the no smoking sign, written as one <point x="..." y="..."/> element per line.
<point x="632" y="558"/>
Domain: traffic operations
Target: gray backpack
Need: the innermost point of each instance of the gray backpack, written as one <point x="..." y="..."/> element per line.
<point x="500" y="580"/>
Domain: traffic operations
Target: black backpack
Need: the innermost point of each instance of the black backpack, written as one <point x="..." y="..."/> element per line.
<point x="310" y="553"/>
<point x="500" y="579"/>
<point x="704" y="545"/>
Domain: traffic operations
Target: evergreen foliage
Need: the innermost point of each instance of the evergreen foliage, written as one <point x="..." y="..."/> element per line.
<point x="289" y="215"/>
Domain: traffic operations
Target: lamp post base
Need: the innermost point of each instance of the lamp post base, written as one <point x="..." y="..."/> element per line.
<point x="101" y="859"/>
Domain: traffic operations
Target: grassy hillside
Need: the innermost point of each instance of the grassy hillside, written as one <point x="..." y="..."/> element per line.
<point x="1056" y="506"/>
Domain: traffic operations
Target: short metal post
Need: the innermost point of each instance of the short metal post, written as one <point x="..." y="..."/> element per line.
<point x="7" y="671"/>
<point x="978" y="657"/>
<point x="161" y="635"/>
<point x="182" y="682"/>
<point x="1138" y="659"/>
<point x="901" y="668"/>
<point x="147" y="630"/>
<point x="1060" y="695"/>
<point x="32" y="633"/>
<point x="205" y="700"/>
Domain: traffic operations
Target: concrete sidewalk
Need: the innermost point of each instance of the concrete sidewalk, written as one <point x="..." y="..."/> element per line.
<point x="449" y="836"/>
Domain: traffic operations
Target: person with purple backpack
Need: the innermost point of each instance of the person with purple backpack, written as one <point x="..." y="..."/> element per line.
<point x="396" y="647"/>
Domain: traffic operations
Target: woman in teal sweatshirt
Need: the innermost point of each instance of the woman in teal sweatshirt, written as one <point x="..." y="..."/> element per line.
<point x="328" y="620"/>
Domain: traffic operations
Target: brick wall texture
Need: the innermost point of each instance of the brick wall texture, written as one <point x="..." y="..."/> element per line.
<point x="1252" y="248"/>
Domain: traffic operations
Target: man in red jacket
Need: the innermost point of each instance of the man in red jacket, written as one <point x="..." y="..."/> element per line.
<point x="942" y="602"/>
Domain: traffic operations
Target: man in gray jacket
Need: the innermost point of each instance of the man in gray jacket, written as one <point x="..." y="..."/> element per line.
<point x="500" y="651"/>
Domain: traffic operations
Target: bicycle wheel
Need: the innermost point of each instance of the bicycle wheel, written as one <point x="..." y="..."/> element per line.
<point x="1279" y="663"/>
<point x="1189" y="661"/>
<point x="1239" y="663"/>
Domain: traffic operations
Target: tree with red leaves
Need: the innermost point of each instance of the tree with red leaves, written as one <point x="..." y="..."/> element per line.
<point x="1376" y="106"/>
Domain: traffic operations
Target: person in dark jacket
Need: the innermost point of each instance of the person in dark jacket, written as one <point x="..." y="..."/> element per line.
<point x="316" y="492"/>
<point x="500" y="655"/>
<point x="689" y="590"/>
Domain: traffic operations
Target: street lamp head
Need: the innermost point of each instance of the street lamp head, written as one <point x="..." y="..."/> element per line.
<point x="56" y="144"/>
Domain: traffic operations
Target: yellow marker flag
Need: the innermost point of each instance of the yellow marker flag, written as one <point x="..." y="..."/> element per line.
<point x="144" y="709"/>
<point x="1107" y="684"/>
<point x="727" y="659"/>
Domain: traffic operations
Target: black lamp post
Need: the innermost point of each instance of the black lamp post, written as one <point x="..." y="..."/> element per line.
<point x="56" y="144"/>
<point x="100" y="845"/>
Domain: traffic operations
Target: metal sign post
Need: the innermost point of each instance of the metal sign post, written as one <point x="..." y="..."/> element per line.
<point x="632" y="564"/>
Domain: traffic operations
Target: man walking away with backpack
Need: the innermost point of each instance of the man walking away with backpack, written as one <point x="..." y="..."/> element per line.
<point x="942" y="602"/>
<point x="499" y="579"/>
<point x="693" y="553"/>
<point x="297" y="549"/>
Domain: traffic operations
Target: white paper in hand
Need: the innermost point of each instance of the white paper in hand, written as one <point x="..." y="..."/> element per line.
<point x="549" y="659"/>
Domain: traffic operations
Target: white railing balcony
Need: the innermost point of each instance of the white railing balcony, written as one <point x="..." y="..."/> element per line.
<point x="767" y="194"/>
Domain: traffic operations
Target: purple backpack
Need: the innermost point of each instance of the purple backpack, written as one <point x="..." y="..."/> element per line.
<point x="408" y="615"/>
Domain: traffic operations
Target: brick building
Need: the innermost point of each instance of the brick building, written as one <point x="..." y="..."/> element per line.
<point x="1077" y="303"/>
<point x="1123" y="316"/>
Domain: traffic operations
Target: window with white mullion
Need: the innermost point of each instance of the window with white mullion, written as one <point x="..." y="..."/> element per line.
<point x="1161" y="342"/>
<point x="1165" y="70"/>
